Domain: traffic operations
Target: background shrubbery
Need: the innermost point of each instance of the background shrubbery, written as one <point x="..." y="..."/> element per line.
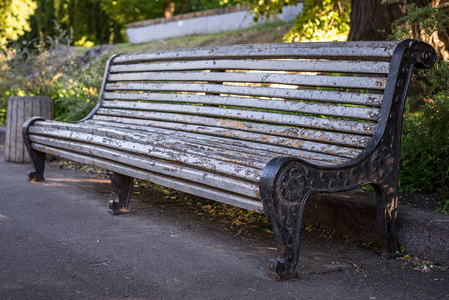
<point x="47" y="67"/>
<point x="425" y="139"/>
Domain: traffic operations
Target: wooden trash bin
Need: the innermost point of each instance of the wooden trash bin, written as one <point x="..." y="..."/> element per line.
<point x="21" y="109"/>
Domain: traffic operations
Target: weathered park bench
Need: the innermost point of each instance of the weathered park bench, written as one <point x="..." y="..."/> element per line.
<point x="261" y="127"/>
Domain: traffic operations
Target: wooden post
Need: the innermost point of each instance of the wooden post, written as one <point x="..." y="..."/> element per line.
<point x="21" y="109"/>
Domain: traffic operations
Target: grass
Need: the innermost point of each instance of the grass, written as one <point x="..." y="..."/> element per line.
<point x="266" y="33"/>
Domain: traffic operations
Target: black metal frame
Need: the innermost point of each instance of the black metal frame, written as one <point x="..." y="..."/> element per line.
<point x="123" y="186"/>
<point x="287" y="182"/>
<point x="37" y="157"/>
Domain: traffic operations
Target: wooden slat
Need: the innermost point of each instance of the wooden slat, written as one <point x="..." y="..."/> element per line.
<point x="342" y="50"/>
<point x="351" y="112"/>
<point x="313" y="156"/>
<point x="269" y="118"/>
<point x="194" y="160"/>
<point x="345" y="82"/>
<point x="368" y="129"/>
<point x="198" y="138"/>
<point x="157" y="166"/>
<point x="274" y="140"/>
<point x="180" y="185"/>
<point x="222" y="151"/>
<point x="155" y="142"/>
<point x="333" y="138"/>
<point x="359" y="67"/>
<point x="366" y="99"/>
<point x="221" y="89"/>
<point x="225" y="153"/>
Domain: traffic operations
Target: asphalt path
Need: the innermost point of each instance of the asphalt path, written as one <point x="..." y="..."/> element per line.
<point x="57" y="241"/>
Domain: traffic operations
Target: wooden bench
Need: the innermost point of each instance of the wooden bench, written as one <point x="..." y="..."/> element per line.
<point x="261" y="127"/>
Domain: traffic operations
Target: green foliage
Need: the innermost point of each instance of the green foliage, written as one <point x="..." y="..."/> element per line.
<point x="73" y="88"/>
<point x="420" y="21"/>
<point x="2" y="116"/>
<point x="45" y="17"/>
<point x="265" y="9"/>
<point x="322" y="20"/>
<point x="434" y="81"/>
<point x="425" y="139"/>
<point x="104" y="21"/>
<point x="85" y="18"/>
<point x="36" y="71"/>
<point x="14" y="16"/>
<point x="319" y="20"/>
<point x="425" y="148"/>
<point x="46" y="67"/>
<point x="443" y="206"/>
<point x="127" y="11"/>
<point x="78" y="95"/>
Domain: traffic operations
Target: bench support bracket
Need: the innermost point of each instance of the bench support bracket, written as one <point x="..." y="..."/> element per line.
<point x="287" y="183"/>
<point x="284" y="204"/>
<point x="122" y="186"/>
<point x="387" y="198"/>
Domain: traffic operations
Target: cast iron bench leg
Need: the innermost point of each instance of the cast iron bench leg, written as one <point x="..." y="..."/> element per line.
<point x="387" y="197"/>
<point x="37" y="158"/>
<point x="285" y="207"/>
<point x="286" y="219"/>
<point x="122" y="186"/>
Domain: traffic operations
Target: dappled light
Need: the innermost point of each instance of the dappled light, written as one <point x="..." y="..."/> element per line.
<point x="66" y="182"/>
<point x="4" y="218"/>
<point x="321" y="21"/>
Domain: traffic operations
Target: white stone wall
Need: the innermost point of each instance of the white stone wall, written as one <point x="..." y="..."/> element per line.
<point x="202" y="25"/>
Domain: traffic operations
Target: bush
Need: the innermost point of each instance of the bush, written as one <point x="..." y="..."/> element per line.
<point x="425" y="138"/>
<point x="321" y="21"/>
<point x="47" y="67"/>
<point x="425" y="148"/>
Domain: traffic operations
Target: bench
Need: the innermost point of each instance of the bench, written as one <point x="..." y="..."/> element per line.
<point x="260" y="127"/>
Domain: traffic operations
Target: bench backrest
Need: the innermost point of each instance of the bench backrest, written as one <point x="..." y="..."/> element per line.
<point x="320" y="101"/>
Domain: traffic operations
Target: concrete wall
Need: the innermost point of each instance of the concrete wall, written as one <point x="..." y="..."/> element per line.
<point x="202" y="25"/>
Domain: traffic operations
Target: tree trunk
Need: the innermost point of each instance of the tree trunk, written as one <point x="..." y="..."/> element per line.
<point x="371" y="20"/>
<point x="184" y="6"/>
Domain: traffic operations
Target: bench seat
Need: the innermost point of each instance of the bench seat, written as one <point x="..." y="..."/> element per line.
<point x="230" y="167"/>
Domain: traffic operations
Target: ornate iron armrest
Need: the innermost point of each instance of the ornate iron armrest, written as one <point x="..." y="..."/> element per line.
<point x="287" y="182"/>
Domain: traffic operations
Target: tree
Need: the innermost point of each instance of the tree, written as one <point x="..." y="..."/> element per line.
<point x="104" y="21"/>
<point x="319" y="19"/>
<point x="369" y="19"/>
<point x="14" y="16"/>
<point x="372" y="20"/>
<point x="86" y="19"/>
<point x="427" y="20"/>
<point x="334" y="19"/>
<point x="425" y="140"/>
<point x="45" y="17"/>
